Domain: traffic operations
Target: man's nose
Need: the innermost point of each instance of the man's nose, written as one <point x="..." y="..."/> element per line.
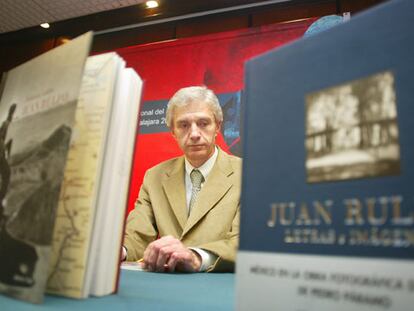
<point x="194" y="131"/>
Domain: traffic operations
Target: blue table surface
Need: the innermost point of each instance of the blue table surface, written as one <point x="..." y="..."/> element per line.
<point x="148" y="291"/>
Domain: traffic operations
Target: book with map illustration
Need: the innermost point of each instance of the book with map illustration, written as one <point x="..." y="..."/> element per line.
<point x="327" y="207"/>
<point x="67" y="136"/>
<point x="88" y="232"/>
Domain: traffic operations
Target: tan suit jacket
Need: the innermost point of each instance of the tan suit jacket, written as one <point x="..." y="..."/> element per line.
<point x="161" y="210"/>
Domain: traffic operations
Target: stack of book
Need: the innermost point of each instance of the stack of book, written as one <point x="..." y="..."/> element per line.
<point x="66" y="146"/>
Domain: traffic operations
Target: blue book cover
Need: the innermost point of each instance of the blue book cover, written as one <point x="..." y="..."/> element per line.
<point x="327" y="216"/>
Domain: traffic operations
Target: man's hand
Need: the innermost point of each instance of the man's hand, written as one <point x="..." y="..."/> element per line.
<point x="168" y="254"/>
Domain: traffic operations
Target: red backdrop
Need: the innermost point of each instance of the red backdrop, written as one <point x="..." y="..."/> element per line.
<point x="213" y="60"/>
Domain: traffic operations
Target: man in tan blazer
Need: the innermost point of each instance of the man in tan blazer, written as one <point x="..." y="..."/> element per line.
<point x="197" y="225"/>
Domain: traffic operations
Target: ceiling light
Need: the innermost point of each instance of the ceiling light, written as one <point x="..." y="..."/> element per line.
<point x="45" y="25"/>
<point x="151" y="4"/>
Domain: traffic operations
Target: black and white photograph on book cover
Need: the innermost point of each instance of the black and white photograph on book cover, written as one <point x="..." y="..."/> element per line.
<point x="31" y="178"/>
<point x="36" y="115"/>
<point x="352" y="130"/>
<point x="19" y="269"/>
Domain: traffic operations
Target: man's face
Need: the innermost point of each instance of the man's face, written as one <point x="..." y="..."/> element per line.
<point x="195" y="129"/>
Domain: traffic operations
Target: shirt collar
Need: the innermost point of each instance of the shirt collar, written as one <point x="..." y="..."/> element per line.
<point x="206" y="168"/>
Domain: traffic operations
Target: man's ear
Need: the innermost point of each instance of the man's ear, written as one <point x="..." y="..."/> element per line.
<point x="172" y="133"/>
<point x="218" y="129"/>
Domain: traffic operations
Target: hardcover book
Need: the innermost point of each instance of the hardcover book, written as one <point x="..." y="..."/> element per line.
<point x="327" y="211"/>
<point x="37" y="112"/>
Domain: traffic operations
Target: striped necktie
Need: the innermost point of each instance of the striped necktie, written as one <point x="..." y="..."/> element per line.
<point x="196" y="180"/>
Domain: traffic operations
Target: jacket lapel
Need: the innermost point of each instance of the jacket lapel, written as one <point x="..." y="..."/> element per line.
<point x="216" y="186"/>
<point x="174" y="188"/>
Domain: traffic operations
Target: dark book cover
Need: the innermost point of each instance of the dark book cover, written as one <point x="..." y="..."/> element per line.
<point x="327" y="216"/>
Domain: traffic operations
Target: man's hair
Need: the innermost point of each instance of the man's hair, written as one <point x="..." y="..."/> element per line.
<point x="187" y="95"/>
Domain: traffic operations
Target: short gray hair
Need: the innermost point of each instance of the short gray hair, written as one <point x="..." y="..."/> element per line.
<point x="191" y="94"/>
